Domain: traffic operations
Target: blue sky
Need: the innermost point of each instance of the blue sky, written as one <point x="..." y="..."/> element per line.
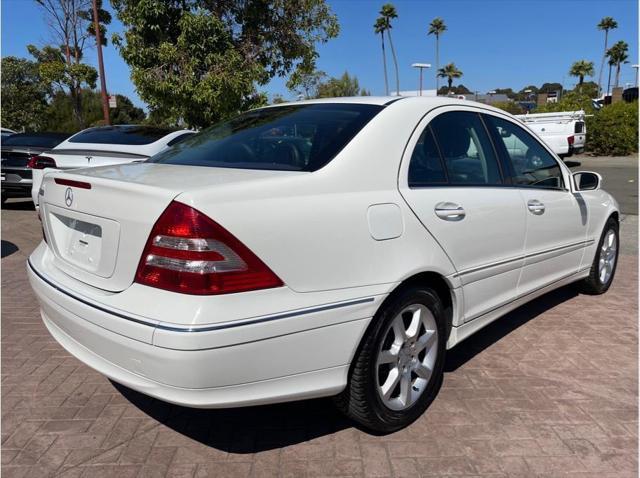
<point x="496" y="43"/>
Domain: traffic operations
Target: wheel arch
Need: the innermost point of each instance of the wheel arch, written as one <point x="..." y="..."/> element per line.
<point x="432" y="279"/>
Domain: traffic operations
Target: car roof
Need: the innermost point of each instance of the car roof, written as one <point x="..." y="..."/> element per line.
<point x="428" y="101"/>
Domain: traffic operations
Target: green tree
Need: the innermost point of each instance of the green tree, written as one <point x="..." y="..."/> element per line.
<point x="437" y="28"/>
<point x="449" y="72"/>
<point x="278" y="99"/>
<point x="60" y="111"/>
<point x="588" y="88"/>
<point x="456" y="90"/>
<point x="509" y="106"/>
<point x="346" y="85"/>
<point x="70" y="23"/>
<point x="388" y="13"/>
<point x="379" y="27"/>
<point x="550" y="88"/>
<point x="606" y="24"/>
<point x="570" y="101"/>
<point x="618" y="54"/>
<point x="199" y="61"/>
<point x="309" y="83"/>
<point x="581" y="68"/>
<point x="24" y="95"/>
<point x="65" y="77"/>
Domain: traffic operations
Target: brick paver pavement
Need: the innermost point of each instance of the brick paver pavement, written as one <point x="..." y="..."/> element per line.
<point x="549" y="390"/>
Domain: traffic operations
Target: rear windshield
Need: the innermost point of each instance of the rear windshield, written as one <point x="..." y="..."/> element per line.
<point x="34" y="140"/>
<point x="290" y="138"/>
<point x="131" y="135"/>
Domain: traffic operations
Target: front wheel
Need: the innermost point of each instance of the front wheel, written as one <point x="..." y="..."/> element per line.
<point x="605" y="261"/>
<point x="398" y="369"/>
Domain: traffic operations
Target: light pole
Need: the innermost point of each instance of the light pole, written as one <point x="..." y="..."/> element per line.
<point x="636" y="68"/>
<point x="421" y="66"/>
<point x="103" y="81"/>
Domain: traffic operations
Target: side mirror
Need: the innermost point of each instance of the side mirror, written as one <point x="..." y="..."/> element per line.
<point x="504" y="133"/>
<point x="587" y="181"/>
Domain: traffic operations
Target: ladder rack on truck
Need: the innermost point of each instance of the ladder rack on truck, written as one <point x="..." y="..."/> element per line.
<point x="564" y="131"/>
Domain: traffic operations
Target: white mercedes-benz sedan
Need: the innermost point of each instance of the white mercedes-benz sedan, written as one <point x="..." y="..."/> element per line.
<point x="321" y="248"/>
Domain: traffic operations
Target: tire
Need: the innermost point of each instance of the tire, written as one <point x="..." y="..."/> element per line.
<point x="362" y="400"/>
<point x="597" y="282"/>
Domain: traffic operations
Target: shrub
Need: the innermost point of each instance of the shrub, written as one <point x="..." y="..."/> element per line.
<point x="571" y="101"/>
<point x="509" y="107"/>
<point x="613" y="131"/>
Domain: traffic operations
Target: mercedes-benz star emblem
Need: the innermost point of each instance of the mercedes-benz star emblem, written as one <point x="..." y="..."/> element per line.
<point x="68" y="197"/>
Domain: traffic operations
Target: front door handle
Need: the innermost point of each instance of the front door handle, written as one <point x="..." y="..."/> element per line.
<point x="449" y="211"/>
<point x="536" y="207"/>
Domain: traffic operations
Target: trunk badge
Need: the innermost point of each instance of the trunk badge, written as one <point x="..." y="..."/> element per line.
<point x="68" y="197"/>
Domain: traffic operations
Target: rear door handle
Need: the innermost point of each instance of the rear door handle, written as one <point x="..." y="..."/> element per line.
<point x="536" y="207"/>
<point x="449" y="211"/>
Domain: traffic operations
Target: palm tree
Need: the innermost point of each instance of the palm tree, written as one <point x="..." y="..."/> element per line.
<point x="449" y="72"/>
<point x="581" y="68"/>
<point x="606" y="24"/>
<point x="388" y="13"/>
<point x="437" y="28"/>
<point x="618" y="54"/>
<point x="380" y="27"/>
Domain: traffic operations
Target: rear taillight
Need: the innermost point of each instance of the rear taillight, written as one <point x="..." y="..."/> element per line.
<point x="570" y="140"/>
<point x="189" y="253"/>
<point x="41" y="162"/>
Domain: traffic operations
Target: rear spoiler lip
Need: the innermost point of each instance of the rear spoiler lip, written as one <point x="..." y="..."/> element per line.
<point x="96" y="152"/>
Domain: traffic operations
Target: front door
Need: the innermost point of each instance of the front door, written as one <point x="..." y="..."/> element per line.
<point x="452" y="180"/>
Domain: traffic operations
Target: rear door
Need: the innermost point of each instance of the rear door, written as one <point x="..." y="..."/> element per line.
<point x="452" y="179"/>
<point x="556" y="218"/>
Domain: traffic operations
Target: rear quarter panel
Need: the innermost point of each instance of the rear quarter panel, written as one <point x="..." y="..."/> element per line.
<point x="313" y="231"/>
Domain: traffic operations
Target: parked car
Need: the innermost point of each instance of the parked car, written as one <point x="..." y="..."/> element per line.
<point x="6" y="132"/>
<point x="17" y="158"/>
<point x="321" y="248"/>
<point x="565" y="132"/>
<point x="105" y="145"/>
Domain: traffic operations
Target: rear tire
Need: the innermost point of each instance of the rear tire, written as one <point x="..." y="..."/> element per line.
<point x="398" y="368"/>
<point x="605" y="261"/>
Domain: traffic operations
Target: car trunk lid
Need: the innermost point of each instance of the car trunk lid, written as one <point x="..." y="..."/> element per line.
<point x="97" y="221"/>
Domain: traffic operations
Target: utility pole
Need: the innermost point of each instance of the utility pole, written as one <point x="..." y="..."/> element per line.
<point x="103" y="82"/>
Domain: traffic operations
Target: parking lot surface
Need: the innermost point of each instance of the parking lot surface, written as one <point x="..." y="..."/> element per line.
<point x="549" y="390"/>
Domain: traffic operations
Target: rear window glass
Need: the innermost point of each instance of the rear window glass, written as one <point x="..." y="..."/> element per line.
<point x="34" y="140"/>
<point x="131" y="135"/>
<point x="290" y="138"/>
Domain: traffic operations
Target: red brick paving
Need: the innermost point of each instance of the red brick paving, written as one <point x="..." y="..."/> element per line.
<point x="549" y="390"/>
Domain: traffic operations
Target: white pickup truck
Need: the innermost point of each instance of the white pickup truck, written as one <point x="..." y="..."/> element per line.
<point x="565" y="132"/>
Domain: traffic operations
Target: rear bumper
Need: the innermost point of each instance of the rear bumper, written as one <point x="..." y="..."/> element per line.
<point x="16" y="185"/>
<point x="220" y="372"/>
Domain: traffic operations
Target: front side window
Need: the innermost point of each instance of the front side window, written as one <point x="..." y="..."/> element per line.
<point x="532" y="164"/>
<point x="466" y="149"/>
<point x="289" y="138"/>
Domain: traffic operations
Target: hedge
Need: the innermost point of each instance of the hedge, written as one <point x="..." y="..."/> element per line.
<point x="613" y="130"/>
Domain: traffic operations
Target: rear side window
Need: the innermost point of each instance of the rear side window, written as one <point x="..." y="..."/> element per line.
<point x="466" y="149"/>
<point x="291" y="138"/>
<point x="426" y="166"/>
<point x="532" y="164"/>
<point x="129" y="135"/>
<point x="34" y="140"/>
<point x="179" y="138"/>
<point x="579" y="128"/>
